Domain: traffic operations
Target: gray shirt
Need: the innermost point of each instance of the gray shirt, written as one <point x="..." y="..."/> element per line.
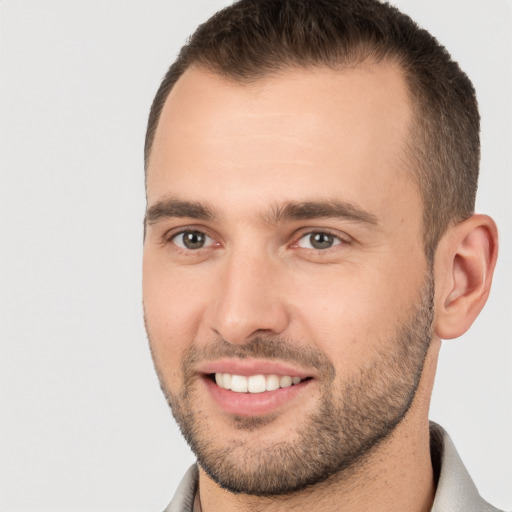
<point x="455" y="491"/>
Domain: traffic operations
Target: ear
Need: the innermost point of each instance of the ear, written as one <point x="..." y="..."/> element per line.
<point x="463" y="268"/>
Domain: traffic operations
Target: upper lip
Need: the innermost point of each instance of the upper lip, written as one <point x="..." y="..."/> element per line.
<point x="249" y="367"/>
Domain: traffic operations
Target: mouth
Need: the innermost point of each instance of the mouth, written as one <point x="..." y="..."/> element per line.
<point x="259" y="383"/>
<point x="254" y="388"/>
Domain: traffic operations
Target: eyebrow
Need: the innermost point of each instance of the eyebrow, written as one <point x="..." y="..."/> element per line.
<point x="288" y="211"/>
<point x="323" y="209"/>
<point x="169" y="208"/>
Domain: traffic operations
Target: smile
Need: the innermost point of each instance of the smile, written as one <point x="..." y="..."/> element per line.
<point x="254" y="383"/>
<point x="255" y="387"/>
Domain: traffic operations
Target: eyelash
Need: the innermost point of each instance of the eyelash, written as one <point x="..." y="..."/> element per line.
<point x="338" y="239"/>
<point x="170" y="237"/>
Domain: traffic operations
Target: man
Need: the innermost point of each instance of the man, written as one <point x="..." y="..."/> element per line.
<point x="311" y="170"/>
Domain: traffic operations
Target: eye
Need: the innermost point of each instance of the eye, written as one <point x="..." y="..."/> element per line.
<point x="192" y="240"/>
<point x="319" y="240"/>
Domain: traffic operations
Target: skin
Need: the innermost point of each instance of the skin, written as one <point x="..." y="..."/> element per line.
<point x="246" y="149"/>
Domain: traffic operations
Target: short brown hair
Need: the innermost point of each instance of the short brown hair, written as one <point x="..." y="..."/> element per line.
<point x="252" y="39"/>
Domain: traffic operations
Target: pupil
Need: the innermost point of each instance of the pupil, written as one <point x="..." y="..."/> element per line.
<point x="193" y="239"/>
<point x="321" y="240"/>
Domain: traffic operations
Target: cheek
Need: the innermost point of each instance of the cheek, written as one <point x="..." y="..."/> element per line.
<point x="173" y="311"/>
<point x="354" y="313"/>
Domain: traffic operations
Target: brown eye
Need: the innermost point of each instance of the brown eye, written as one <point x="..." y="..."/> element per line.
<point x="318" y="240"/>
<point x="192" y="240"/>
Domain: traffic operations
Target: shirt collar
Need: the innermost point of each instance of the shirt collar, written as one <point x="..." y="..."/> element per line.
<point x="455" y="488"/>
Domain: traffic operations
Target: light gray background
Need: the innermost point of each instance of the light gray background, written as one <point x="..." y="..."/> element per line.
<point x="83" y="425"/>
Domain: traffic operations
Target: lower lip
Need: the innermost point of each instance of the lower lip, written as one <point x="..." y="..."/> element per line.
<point x="253" y="404"/>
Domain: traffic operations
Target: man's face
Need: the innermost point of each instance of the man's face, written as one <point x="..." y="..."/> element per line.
<point x="284" y="244"/>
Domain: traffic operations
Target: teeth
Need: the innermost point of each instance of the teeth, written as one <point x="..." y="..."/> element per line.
<point x="239" y="384"/>
<point x="272" y="382"/>
<point x="226" y="380"/>
<point x="254" y="383"/>
<point x="285" y="382"/>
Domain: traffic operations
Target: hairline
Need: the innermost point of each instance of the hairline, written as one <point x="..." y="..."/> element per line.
<point x="410" y="164"/>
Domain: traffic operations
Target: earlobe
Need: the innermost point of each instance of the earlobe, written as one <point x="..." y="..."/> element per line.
<point x="464" y="266"/>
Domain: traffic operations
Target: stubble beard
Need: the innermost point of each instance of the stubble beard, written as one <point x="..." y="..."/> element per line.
<point x="350" y="421"/>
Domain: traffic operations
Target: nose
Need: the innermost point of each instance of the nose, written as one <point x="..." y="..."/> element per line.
<point x="249" y="300"/>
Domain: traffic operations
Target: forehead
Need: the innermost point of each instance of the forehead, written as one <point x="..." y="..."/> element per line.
<point x="297" y="133"/>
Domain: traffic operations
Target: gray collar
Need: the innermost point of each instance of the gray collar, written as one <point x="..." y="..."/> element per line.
<point x="455" y="492"/>
<point x="455" y="488"/>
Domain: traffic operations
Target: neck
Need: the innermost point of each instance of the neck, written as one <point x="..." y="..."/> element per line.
<point x="396" y="477"/>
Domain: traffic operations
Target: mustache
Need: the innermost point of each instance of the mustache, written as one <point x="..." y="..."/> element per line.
<point x="259" y="347"/>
